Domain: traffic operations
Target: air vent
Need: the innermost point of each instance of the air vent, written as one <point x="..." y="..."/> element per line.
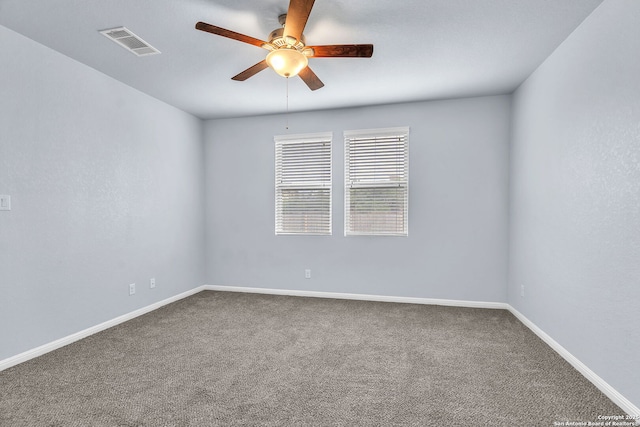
<point x="130" y="41"/>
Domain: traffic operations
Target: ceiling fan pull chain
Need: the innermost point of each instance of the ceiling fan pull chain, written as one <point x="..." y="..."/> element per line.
<point x="287" y="115"/>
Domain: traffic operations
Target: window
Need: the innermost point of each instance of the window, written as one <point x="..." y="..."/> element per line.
<point x="303" y="184"/>
<point x="376" y="182"/>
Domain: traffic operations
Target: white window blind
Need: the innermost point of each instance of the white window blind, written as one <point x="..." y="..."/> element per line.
<point x="377" y="182"/>
<point x="303" y="184"/>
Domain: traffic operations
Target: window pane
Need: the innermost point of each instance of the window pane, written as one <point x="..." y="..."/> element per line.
<point x="377" y="210"/>
<point x="377" y="182"/>
<point x="304" y="211"/>
<point x="303" y="184"/>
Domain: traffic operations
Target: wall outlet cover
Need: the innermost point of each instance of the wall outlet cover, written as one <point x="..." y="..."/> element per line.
<point x="5" y="202"/>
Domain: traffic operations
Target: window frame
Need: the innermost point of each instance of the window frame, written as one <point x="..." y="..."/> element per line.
<point x="368" y="135"/>
<point x="324" y="185"/>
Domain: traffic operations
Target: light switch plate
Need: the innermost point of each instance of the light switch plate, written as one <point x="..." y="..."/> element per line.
<point x="5" y="202"/>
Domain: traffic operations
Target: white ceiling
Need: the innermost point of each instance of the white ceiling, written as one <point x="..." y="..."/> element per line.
<point x="424" y="49"/>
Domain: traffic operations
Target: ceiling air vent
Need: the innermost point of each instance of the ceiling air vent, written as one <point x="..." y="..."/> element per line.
<point x="130" y="41"/>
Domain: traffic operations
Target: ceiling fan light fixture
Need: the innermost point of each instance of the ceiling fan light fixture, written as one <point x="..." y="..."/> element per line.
<point x="288" y="51"/>
<point x="287" y="62"/>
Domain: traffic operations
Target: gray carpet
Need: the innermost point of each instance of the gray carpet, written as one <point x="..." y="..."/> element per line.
<point x="241" y="359"/>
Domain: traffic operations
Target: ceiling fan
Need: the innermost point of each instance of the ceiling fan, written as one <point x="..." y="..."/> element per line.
<point x="288" y="53"/>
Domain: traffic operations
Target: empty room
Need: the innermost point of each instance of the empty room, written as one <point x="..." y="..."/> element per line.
<point x="329" y="212"/>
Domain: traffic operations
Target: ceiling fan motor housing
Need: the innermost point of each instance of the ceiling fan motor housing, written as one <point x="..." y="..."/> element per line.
<point x="277" y="39"/>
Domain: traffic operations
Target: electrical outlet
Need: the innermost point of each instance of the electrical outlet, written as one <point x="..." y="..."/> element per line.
<point x="5" y="202"/>
<point x="307" y="273"/>
<point x="132" y="288"/>
<point x="152" y="282"/>
<point x="522" y="290"/>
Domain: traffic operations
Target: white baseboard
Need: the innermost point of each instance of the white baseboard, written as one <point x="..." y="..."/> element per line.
<point x="361" y="297"/>
<point x="601" y="384"/>
<point x="46" y="348"/>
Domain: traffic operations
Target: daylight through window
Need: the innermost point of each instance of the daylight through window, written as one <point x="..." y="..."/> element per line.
<point x="377" y="182"/>
<point x="303" y="184"/>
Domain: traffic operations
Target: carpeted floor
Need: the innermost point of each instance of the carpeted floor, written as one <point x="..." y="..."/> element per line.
<point x="229" y="359"/>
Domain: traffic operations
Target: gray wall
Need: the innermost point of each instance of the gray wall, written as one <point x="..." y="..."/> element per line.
<point x="575" y="195"/>
<point x="107" y="189"/>
<point x="457" y="244"/>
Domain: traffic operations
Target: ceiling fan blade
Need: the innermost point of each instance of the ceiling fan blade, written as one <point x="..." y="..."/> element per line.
<point x="310" y="78"/>
<point x="251" y="71"/>
<point x="297" y="17"/>
<point x="342" y="50"/>
<point x="203" y="26"/>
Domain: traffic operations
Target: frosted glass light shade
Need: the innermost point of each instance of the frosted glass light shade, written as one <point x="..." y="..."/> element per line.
<point x="287" y="62"/>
